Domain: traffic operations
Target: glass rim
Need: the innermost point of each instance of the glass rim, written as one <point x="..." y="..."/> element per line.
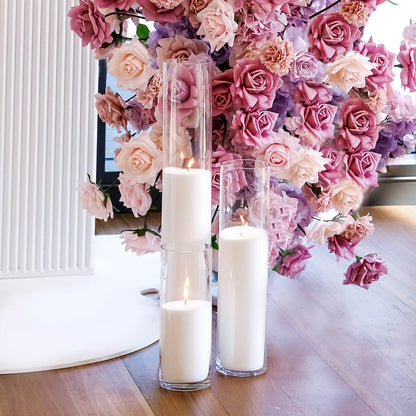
<point x="257" y="164"/>
<point x="175" y="61"/>
<point x="185" y="247"/>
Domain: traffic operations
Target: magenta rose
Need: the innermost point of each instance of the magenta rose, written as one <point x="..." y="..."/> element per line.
<point x="361" y="167"/>
<point x="293" y="262"/>
<point x="254" y="85"/>
<point x="334" y="170"/>
<point x="221" y="92"/>
<point x="312" y="92"/>
<point x="330" y="36"/>
<point x="378" y="54"/>
<point x="359" y="129"/>
<point x="365" y="271"/>
<point x="89" y="24"/>
<point x="253" y="129"/>
<point x="341" y="247"/>
<point x="161" y="14"/>
<point x="407" y="58"/>
<point x="115" y="4"/>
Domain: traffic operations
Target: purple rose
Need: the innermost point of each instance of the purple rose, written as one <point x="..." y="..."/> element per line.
<point x="89" y="24"/>
<point x="294" y="262"/>
<point x="221" y="92"/>
<point x="362" y="167"/>
<point x="341" y="247"/>
<point x="407" y="57"/>
<point x="221" y="56"/>
<point x="365" y="271"/>
<point x="254" y="86"/>
<point x="307" y="67"/>
<point x="282" y="104"/>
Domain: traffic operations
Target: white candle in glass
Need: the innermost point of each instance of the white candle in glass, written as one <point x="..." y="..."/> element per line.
<point x="186" y="205"/>
<point x="242" y="294"/>
<point x="185" y="340"/>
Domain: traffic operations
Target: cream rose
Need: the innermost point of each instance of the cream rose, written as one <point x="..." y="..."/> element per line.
<point x="140" y="159"/>
<point x="322" y="230"/>
<point x="346" y="196"/>
<point x="349" y="71"/>
<point x="130" y="65"/>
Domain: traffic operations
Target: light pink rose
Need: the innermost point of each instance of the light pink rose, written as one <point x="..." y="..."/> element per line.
<point x="320" y="230"/>
<point x="111" y="109"/>
<point x="135" y="196"/>
<point x="140" y="159"/>
<point x="156" y="135"/>
<point x="254" y="85"/>
<point x="346" y="196"/>
<point x="359" y="129"/>
<point x="221" y="92"/>
<point x="141" y="241"/>
<point x="403" y="107"/>
<point x="330" y="36"/>
<point x="179" y="48"/>
<point x="321" y="202"/>
<point x="280" y="154"/>
<point x="217" y="24"/>
<point x="409" y="33"/>
<point x="115" y="4"/>
<point x="89" y="24"/>
<point x="407" y="58"/>
<point x="277" y="55"/>
<point x="349" y="71"/>
<point x="130" y="65"/>
<point x="306" y="66"/>
<point x="376" y="101"/>
<point x="362" y="168"/>
<point x="160" y="14"/>
<point x="306" y="166"/>
<point x="93" y="200"/>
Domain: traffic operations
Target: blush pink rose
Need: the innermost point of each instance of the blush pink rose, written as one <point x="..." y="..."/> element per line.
<point x="141" y="241"/>
<point x="221" y="92"/>
<point x="135" y="196"/>
<point x="160" y="14"/>
<point x="115" y="4"/>
<point x="111" y="109"/>
<point x="254" y="85"/>
<point x="346" y="196"/>
<point x="217" y="24"/>
<point x="365" y="271"/>
<point x="89" y="24"/>
<point x="94" y="201"/>
<point x="320" y="230"/>
<point x="362" y="168"/>
<point x="407" y="58"/>
<point x="359" y="129"/>
<point x="140" y="159"/>
<point x="130" y="65"/>
<point x="330" y="36"/>
<point x="409" y="33"/>
<point x="322" y="202"/>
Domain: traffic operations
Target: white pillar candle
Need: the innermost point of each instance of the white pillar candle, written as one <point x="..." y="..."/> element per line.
<point x="186" y="205"/>
<point x="242" y="293"/>
<point x="185" y="341"/>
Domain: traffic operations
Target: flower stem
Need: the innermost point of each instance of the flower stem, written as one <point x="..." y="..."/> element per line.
<point x="324" y="10"/>
<point x="139" y="16"/>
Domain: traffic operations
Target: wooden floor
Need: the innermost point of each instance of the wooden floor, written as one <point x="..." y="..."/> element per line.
<point x="332" y="350"/>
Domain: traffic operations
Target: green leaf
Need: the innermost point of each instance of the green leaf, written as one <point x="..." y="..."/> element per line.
<point x="214" y="243"/>
<point x="142" y="32"/>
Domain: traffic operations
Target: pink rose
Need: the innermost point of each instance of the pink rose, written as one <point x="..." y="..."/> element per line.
<point x="307" y="165"/>
<point x="254" y="86"/>
<point x="365" y="271"/>
<point x="217" y="24"/>
<point x="130" y="65"/>
<point x="234" y="177"/>
<point x="265" y="10"/>
<point x="94" y="201"/>
<point x="334" y="168"/>
<point x="382" y="73"/>
<point x="253" y="129"/>
<point x="178" y="47"/>
<point x="346" y="196"/>
<point x="407" y="58"/>
<point x="359" y="129"/>
<point x="361" y="167"/>
<point x="280" y="154"/>
<point x="294" y="262"/>
<point x="140" y="159"/>
<point x="221" y="92"/>
<point x="141" y="241"/>
<point x="349" y="71"/>
<point x="312" y="92"/>
<point x="341" y="247"/>
<point x="409" y="33"/>
<point x="376" y="101"/>
<point x="89" y="24"/>
<point x="160" y="14"/>
<point x="306" y="67"/>
<point x="115" y="4"/>
<point x="111" y="109"/>
<point x="135" y="196"/>
<point x="403" y="107"/>
<point x="330" y="36"/>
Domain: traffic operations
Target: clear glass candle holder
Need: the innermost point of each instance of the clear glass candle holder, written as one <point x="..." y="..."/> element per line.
<point x="242" y="268"/>
<point x="186" y="317"/>
<point x="187" y="129"/>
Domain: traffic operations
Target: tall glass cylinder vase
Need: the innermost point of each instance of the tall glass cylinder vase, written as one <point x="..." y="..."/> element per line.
<point x="186" y="316"/>
<point x="242" y="268"/>
<point x="187" y="121"/>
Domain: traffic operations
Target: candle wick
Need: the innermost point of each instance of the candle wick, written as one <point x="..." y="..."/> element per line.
<point x="186" y="300"/>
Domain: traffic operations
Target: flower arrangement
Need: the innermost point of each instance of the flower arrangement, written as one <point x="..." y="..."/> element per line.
<point x="294" y="85"/>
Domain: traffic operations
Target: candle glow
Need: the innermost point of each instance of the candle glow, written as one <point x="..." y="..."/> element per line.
<point x="186" y="290"/>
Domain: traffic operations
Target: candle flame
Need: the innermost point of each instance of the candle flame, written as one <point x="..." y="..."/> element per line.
<point x="182" y="156"/>
<point x="190" y="163"/>
<point x="186" y="290"/>
<point x="243" y="221"/>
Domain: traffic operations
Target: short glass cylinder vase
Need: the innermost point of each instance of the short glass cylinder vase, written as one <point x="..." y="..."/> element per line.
<point x="242" y="268"/>
<point x="186" y="317"/>
<point x="187" y="130"/>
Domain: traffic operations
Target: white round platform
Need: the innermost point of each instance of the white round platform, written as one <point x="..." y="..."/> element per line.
<point x="56" y="322"/>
